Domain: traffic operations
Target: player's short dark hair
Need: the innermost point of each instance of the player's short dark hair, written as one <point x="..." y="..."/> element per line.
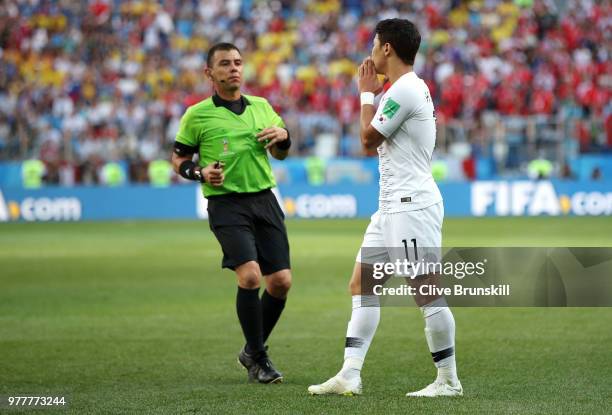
<point x="219" y="46"/>
<point x="402" y="35"/>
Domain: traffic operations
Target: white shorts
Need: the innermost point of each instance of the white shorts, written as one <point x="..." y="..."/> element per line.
<point x="414" y="235"/>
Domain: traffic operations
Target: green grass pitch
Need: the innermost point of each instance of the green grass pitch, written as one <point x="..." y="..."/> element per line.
<point x="130" y="317"/>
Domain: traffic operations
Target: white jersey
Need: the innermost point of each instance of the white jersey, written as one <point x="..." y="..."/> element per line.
<point x="405" y="116"/>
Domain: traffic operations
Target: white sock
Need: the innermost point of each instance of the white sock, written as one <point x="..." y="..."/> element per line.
<point x="440" y="335"/>
<point x="359" y="334"/>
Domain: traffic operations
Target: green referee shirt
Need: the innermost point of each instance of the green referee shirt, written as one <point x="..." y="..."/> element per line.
<point x="221" y="135"/>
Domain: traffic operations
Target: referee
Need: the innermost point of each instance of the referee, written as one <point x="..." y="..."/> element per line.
<point x="232" y="133"/>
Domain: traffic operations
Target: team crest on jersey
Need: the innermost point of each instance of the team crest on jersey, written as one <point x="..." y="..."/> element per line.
<point x="390" y="108"/>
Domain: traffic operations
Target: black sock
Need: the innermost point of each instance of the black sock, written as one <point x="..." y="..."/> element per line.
<point x="271" y="309"/>
<point x="248" y="307"/>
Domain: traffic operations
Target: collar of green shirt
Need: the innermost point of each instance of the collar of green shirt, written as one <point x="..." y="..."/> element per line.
<point x="237" y="107"/>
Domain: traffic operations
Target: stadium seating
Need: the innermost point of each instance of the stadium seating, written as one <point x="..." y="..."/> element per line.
<point x="85" y="83"/>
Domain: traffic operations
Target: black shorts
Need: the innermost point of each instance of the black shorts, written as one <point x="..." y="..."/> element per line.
<point x="250" y="227"/>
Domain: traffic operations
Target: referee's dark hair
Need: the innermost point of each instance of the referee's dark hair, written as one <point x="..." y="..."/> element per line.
<point x="402" y="35"/>
<point x="219" y="46"/>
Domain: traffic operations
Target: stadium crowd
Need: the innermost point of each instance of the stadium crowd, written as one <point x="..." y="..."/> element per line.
<point x="83" y="83"/>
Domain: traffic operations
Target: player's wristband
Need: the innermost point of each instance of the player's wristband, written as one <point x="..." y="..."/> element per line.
<point x="367" y="98"/>
<point x="191" y="171"/>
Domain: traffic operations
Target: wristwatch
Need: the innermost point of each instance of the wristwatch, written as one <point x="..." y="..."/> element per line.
<point x="197" y="173"/>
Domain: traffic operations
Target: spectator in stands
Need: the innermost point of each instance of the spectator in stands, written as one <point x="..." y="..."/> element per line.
<point x="596" y="174"/>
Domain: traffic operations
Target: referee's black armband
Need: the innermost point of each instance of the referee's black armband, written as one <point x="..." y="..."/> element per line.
<point x="183" y="150"/>
<point x="285" y="144"/>
<point x="189" y="170"/>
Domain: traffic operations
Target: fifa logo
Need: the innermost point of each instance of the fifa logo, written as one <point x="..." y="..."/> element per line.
<point x="226" y="148"/>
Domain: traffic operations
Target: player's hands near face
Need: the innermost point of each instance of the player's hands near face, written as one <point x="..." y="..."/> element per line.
<point x="367" y="79"/>
<point x="273" y="135"/>
<point x="213" y="174"/>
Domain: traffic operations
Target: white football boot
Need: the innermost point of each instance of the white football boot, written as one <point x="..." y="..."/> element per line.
<point x="438" y="389"/>
<point x="337" y="386"/>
